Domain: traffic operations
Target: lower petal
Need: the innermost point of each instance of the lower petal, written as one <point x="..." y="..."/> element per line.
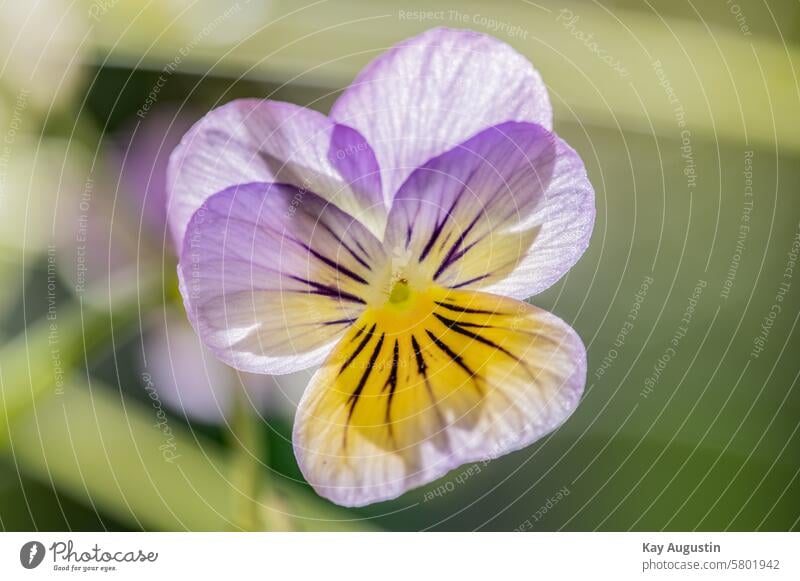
<point x="416" y="389"/>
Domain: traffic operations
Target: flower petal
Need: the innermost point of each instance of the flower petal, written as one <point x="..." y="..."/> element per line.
<point x="407" y="396"/>
<point x="512" y="198"/>
<point x="436" y="90"/>
<point x="254" y="140"/>
<point x="352" y="156"/>
<point x="562" y="219"/>
<point x="272" y="275"/>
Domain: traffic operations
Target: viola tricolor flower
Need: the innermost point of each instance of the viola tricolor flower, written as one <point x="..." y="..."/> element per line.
<point x="392" y="242"/>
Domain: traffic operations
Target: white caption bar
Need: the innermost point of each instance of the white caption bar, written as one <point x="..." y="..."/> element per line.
<point x="401" y="556"/>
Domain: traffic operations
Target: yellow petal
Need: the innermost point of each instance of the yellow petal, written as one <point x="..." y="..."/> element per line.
<point x="433" y="380"/>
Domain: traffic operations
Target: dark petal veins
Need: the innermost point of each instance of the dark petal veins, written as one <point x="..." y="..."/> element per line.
<point x="362" y="249"/>
<point x="354" y="397"/>
<point x="459" y="328"/>
<point x="327" y="291"/>
<point x="333" y="264"/>
<point x="391" y="383"/>
<point x="437" y="231"/>
<point x="456" y="251"/>
<point x="459" y="309"/>
<point x="422" y="368"/>
<point x="340" y="321"/>
<point x="358" y="333"/>
<point x="352" y="252"/>
<point x="470" y="281"/>
<point x="421" y="365"/>
<point x="359" y="349"/>
<point x="457" y="359"/>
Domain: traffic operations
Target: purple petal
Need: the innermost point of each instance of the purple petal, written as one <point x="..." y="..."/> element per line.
<point x="563" y="221"/>
<point x="271" y="275"/>
<point x="253" y="140"/>
<point x="352" y="156"/>
<point x="434" y="91"/>
<point x="512" y="196"/>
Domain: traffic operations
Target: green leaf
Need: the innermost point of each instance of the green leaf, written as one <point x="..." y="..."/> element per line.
<point x="118" y="456"/>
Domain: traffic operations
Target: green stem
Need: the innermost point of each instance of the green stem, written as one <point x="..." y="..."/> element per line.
<point x="249" y="455"/>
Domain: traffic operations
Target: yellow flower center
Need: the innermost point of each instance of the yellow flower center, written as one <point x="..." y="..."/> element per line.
<point x="407" y="307"/>
<point x="400" y="292"/>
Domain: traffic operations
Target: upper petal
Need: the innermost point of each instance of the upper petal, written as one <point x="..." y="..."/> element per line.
<point x="509" y="210"/>
<point x="271" y="275"/>
<point x="254" y="140"/>
<point x="436" y="90"/>
<point x="409" y="395"/>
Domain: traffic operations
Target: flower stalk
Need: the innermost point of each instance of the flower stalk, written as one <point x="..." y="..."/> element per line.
<point x="249" y="450"/>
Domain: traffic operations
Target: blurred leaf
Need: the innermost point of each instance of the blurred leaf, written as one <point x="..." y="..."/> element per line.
<point x="31" y="505"/>
<point x="113" y="454"/>
<point x="37" y="362"/>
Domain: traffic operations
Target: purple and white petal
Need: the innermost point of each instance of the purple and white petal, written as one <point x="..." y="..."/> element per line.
<point x="272" y="275"/>
<point x="563" y="220"/>
<point x="434" y="91"/>
<point x="254" y="140"/>
<point x="511" y="197"/>
<point x="354" y="159"/>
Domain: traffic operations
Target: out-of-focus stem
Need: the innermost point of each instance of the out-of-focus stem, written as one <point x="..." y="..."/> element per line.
<point x="249" y="453"/>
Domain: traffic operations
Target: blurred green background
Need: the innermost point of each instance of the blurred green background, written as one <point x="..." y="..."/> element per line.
<point x="686" y="114"/>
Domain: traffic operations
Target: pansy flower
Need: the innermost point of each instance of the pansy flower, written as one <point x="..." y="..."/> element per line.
<point x="393" y="242"/>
